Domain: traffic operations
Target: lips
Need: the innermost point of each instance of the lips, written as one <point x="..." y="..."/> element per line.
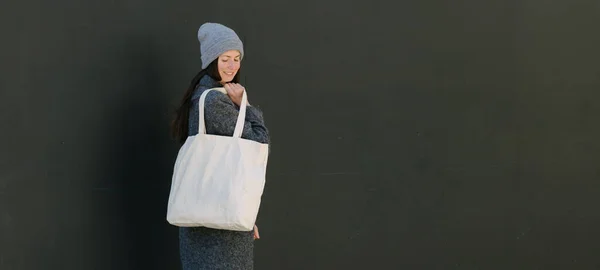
<point x="228" y="73"/>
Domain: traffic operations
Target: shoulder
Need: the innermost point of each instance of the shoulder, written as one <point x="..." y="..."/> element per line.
<point x="215" y="95"/>
<point x="213" y="98"/>
<point x="216" y="98"/>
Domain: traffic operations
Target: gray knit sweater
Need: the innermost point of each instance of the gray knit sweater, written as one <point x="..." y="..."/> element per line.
<point x="204" y="248"/>
<point x="220" y="114"/>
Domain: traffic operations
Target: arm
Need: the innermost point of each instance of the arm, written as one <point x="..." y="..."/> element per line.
<point x="220" y="114"/>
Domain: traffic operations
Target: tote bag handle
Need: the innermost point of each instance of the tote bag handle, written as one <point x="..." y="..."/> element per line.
<point x="239" y="125"/>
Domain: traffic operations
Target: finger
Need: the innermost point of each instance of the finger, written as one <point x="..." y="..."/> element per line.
<point x="240" y="89"/>
<point x="228" y="89"/>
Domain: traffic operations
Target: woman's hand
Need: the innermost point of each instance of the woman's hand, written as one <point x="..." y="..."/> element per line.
<point x="256" y="236"/>
<point x="235" y="91"/>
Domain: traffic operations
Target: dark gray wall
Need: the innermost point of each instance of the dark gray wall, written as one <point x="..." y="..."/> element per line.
<point x="407" y="134"/>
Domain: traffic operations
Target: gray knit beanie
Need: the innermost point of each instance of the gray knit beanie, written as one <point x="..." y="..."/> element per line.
<point x="216" y="39"/>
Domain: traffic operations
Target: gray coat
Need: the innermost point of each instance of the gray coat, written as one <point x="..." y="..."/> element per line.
<point x="204" y="248"/>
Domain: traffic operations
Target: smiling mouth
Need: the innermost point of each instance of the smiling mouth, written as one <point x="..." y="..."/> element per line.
<point x="228" y="73"/>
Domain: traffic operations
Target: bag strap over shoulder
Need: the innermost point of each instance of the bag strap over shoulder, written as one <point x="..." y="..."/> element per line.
<point x="239" y="125"/>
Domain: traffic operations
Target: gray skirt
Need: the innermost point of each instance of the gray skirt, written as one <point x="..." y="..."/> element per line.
<point x="203" y="248"/>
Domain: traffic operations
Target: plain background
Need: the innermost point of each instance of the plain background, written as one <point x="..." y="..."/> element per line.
<point x="405" y="134"/>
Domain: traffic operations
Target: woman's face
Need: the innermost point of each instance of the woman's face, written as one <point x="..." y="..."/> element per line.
<point x="229" y="64"/>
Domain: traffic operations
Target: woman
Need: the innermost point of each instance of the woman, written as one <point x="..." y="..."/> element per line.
<point x="221" y="55"/>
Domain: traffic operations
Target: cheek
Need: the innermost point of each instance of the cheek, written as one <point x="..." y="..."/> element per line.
<point x="222" y="66"/>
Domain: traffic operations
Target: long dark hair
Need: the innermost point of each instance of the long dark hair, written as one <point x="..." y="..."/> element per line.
<point x="179" y="125"/>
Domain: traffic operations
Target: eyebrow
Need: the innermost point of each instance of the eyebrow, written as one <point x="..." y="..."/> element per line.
<point x="230" y="56"/>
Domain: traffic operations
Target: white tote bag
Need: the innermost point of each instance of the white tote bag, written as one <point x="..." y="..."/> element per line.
<point x="218" y="181"/>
